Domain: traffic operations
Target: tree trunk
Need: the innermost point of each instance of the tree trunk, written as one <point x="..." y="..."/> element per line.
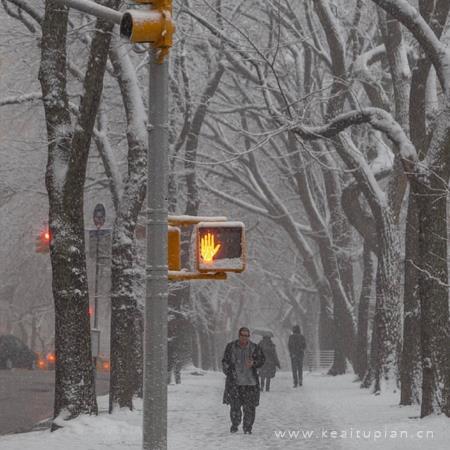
<point x="65" y="176"/>
<point x="387" y="307"/>
<point x="74" y="372"/>
<point x="326" y="332"/>
<point x="431" y="200"/>
<point x="410" y="367"/>
<point x="196" y="349"/>
<point x="343" y="338"/>
<point x="126" y="319"/>
<point x="123" y="314"/>
<point x="362" y="342"/>
<point x="139" y="354"/>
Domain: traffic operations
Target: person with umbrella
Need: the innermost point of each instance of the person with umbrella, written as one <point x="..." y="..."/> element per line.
<point x="268" y="370"/>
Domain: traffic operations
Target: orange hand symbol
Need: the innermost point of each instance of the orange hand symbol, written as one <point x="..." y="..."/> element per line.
<point x="207" y="248"/>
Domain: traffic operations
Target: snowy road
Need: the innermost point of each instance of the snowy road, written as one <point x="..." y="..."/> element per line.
<point x="26" y="397"/>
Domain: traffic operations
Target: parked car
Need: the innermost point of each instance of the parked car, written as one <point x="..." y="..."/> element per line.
<point x="15" y="354"/>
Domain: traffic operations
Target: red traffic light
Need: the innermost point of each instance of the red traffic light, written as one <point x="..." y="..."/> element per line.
<point x="220" y="247"/>
<point x="43" y="241"/>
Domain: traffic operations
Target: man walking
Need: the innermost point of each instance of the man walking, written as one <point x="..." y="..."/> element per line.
<point x="240" y="361"/>
<point x="296" y="346"/>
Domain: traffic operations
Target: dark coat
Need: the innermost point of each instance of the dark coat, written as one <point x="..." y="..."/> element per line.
<point x="296" y="345"/>
<point x="272" y="362"/>
<point x="231" y="388"/>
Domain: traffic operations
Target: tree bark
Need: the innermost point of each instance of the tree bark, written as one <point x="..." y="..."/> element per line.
<point x="125" y="338"/>
<point x="387" y="307"/>
<point x="66" y="170"/>
<point x="362" y="340"/>
<point x="431" y="199"/>
<point x="410" y="367"/>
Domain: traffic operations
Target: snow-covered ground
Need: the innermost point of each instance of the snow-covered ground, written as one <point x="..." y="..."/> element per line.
<point x="326" y="413"/>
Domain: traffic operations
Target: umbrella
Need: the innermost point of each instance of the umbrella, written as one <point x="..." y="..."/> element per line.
<point x="263" y="332"/>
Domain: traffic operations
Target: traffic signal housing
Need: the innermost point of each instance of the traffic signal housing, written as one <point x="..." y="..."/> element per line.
<point x="220" y="247"/>
<point x="43" y="241"/>
<point x="154" y="26"/>
<point x="173" y="245"/>
<point x="174" y="248"/>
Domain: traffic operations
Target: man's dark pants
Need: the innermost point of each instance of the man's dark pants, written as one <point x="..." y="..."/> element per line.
<point x="297" y="369"/>
<point x="245" y="400"/>
<point x="266" y="381"/>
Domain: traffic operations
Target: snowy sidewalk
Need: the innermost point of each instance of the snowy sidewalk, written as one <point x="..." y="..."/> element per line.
<point x="205" y="424"/>
<point x="326" y="413"/>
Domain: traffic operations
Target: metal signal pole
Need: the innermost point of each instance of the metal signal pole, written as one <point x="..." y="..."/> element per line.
<point x="155" y="342"/>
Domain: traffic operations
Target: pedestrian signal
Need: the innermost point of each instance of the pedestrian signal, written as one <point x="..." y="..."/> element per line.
<point x="220" y="247"/>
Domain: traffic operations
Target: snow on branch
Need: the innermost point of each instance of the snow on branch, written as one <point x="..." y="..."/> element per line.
<point x="377" y="118"/>
<point x="416" y="24"/>
<point x="17" y="99"/>
<point x="24" y="6"/>
<point x="363" y="61"/>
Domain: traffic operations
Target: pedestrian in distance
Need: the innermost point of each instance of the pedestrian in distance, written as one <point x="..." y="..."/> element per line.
<point x="268" y="370"/>
<point x="240" y="361"/>
<point x="297" y="346"/>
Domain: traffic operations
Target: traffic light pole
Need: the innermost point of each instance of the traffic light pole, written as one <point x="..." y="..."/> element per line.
<point x="155" y="334"/>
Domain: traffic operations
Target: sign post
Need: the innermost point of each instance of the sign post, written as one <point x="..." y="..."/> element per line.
<point x="99" y="216"/>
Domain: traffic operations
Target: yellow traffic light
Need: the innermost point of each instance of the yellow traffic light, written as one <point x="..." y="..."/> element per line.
<point x="173" y="245"/>
<point x="220" y="247"/>
<point x="174" y="249"/>
<point x="154" y="26"/>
